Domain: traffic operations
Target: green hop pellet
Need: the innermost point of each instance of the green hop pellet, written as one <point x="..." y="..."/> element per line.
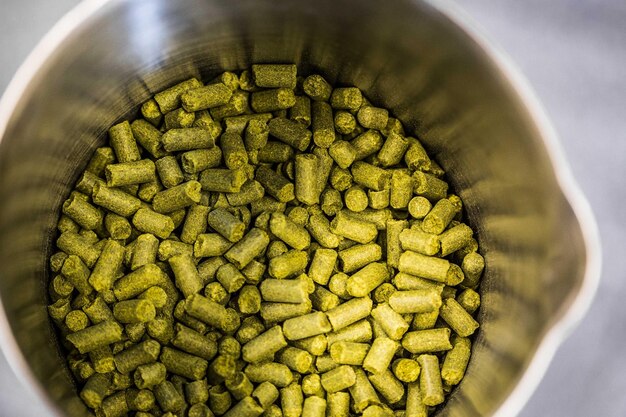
<point x="276" y="373"/>
<point x="367" y="143"/>
<point x="115" y="200"/>
<point x="469" y="300"/>
<point x="391" y="321"/>
<point x="338" y="404"/>
<point x="123" y="142"/>
<point x="265" y="394"/>
<point x="289" y="232"/>
<point x="272" y="100"/>
<point x="405" y="370"/>
<point x="274" y="75"/>
<point x="292" y="400"/>
<point x="239" y="386"/>
<point x="347" y="98"/>
<point x="100" y="159"/>
<point x="301" y="111"/>
<point x="95" y="336"/>
<point x="345" y="122"/>
<point x="362" y="392"/>
<point x="429" y="186"/>
<point x="83" y="213"/>
<point x="430" y="380"/>
<point x="388" y="386"/>
<point x="77" y="273"/>
<point x="128" y="173"/>
<point x="457" y="318"/>
<point x="427" y="341"/>
<point x="373" y="117"/>
<point x="134" y="311"/>
<point x="353" y="228"/>
<point x="415" y="301"/>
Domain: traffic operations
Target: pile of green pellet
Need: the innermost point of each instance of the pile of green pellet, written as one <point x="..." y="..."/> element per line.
<point x="264" y="244"/>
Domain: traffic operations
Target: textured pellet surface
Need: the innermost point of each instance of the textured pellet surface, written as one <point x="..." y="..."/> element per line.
<point x="264" y="244"/>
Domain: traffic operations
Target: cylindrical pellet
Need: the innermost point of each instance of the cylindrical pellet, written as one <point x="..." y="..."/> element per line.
<point x="306" y="189"/>
<point x="332" y="202"/>
<point x="424" y="266"/>
<point x="369" y="176"/>
<point x="360" y="331"/>
<point x="430" y="187"/>
<point x="296" y="359"/>
<point x="105" y="271"/>
<point x="224" y="223"/>
<point x="114" y="405"/>
<point x="272" y="100"/>
<point x="78" y="249"/>
<point x="322" y="265"/>
<point x="95" y="336"/>
<point x="301" y="111"/>
<point x="290" y="132"/>
<point x="380" y="355"/>
<point x="469" y="300"/>
<point x="457" y="318"/>
<point x="278" y="312"/>
<point x="419" y="207"/>
<point x="439" y="217"/>
<point x="338" y="404"/>
<point x="316" y="87"/>
<point x="387" y="385"/>
<point x="314" y="407"/>
<point x="95" y="389"/>
<point x="141" y="354"/>
<point x="264" y="345"/>
<point x="473" y="265"/>
<point x="118" y="227"/>
<point x="393" y="150"/>
<point x="284" y="290"/>
<point x="128" y="173"/>
<point x="401" y="187"/>
<point x="187" y="139"/>
<point x="248" y="248"/>
<point x="455" y="238"/>
<point x="202" y="98"/>
<point x="348" y="98"/>
<point x="210" y="244"/>
<point x="274" y="75"/>
<point x="98" y="311"/>
<point x="415" y="301"/>
<point x="219" y="400"/>
<point x="362" y="392"/>
<point x="82" y="212"/>
<point x="123" y="143"/>
<point x="356" y="199"/>
<point x="197" y="392"/>
<point x="456" y="361"/>
<point x="427" y="341"/>
<point x="288" y="264"/>
<point x="315" y="345"/>
<point x="406" y="370"/>
<point x="275" y="152"/>
<point x="349" y="312"/>
<point x="430" y="380"/>
<point x="373" y="118"/>
<point x="352" y="228"/>
<point x="320" y="230"/>
<point x="186" y="274"/>
<point x="289" y="232"/>
<point x="115" y="200"/>
<point x="250" y="191"/>
<point x="265" y="394"/>
<point x="169" y="171"/>
<point x="148" y="136"/>
<point x="101" y="157"/>
<point x="349" y="353"/>
<point x="231" y="279"/>
<point x="194" y="343"/>
<point x="364" y="281"/>
<point x="276" y="373"/>
<point x="195" y="223"/>
<point x="307" y="325"/>
<point x="183" y="364"/>
<point x="418" y="241"/>
<point x="256" y="134"/>
<point x="239" y="386"/>
<point x="392" y="322"/>
<point x="323" y="125"/>
<point x="76" y="320"/>
<point x="292" y="399"/>
<point x="149" y="375"/>
<point x="206" y="311"/>
<point x="178" y="197"/>
<point x="222" y="180"/>
<point x="168" y="398"/>
<point x="148" y="221"/>
<point x="367" y="143"/>
<point x="134" y="311"/>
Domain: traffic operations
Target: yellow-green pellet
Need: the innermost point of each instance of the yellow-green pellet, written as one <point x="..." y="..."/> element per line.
<point x="249" y="300"/>
<point x="248" y="248"/>
<point x="76" y="320"/>
<point x="183" y="364"/>
<point x="332" y="202"/>
<point x="114" y="405"/>
<point x="292" y="400"/>
<point x="401" y="190"/>
<point x="274" y="75"/>
<point x="95" y="389"/>
<point x="82" y="212"/>
<point x="288" y="264"/>
<point x="364" y="281"/>
<point x="265" y="394"/>
<point x="101" y="158"/>
<point x="312" y="386"/>
<point x="421" y="242"/>
<point x="275" y="184"/>
<point x="202" y="98"/>
<point x="219" y="400"/>
<point x="186" y="275"/>
<point x="358" y="256"/>
<point x="360" y="332"/>
<point x="322" y="124"/>
<point x="57" y="260"/>
<point x="346" y="98"/>
<point x="128" y="173"/>
<point x="469" y="300"/>
<point x="406" y="370"/>
<point x="227" y="225"/>
<point x="362" y="392"/>
<point x="323" y="299"/>
<point x="194" y="343"/>
<point x="320" y="230"/>
<point x="392" y="241"/>
<point x="195" y="223"/>
<point x="148" y="190"/>
<point x="378" y="217"/>
<point x="338" y="404"/>
<point x="306" y="325"/>
<point x="150" y="111"/>
<point x="416" y="157"/>
<point x="373" y="118"/>
<point x="388" y="386"/>
<point x="348" y="353"/>
<point x="156" y="295"/>
<point x="393" y="150"/>
<point x="134" y="311"/>
<point x="106" y="268"/>
<point x="210" y="244"/>
<point x="250" y="328"/>
<point x="161" y="329"/>
<point x="276" y="248"/>
<point x="228" y="345"/>
<point x="140" y="400"/>
<point x="404" y="281"/>
<point x="207" y="311"/>
<point x="234" y="151"/>
<point x="430" y="380"/>
<point x="169" y="99"/>
<point x="380" y="355"/>
<point x="60" y="287"/>
<point x="222" y="180"/>
<point x="391" y="321"/>
<point x="177" y="197"/>
<point x="198" y="160"/>
<point x="455" y="276"/>
<point x="208" y="268"/>
<point x="250" y="191"/>
<point x="457" y="318"/>
<point x="429" y="186"/>
<point x="349" y="312"/>
<point x="95" y="336"/>
<point x="239" y="386"/>
<point x="231" y="279"/>
<point x="439" y="217"/>
<point x="119" y="228"/>
<point x="290" y="132"/>
<point x="473" y="265"/>
<point x="370" y="176"/>
<point x="301" y="111"/>
<point x="324" y="363"/>
<point x="115" y="200"/>
<point x="289" y="232"/>
<point x="256" y="134"/>
<point x="367" y="143"/>
<point x="169" y="171"/>
<point x="338" y="379"/>
<point x="284" y="290"/>
<point x="456" y="360"/>
<point x="345" y="122"/>
<point x="356" y="198"/>
<point x="414" y="404"/>
<point x="353" y="228"/>
<point x="236" y="105"/>
<point x="278" y="312"/>
<point x="340" y="179"/>
<point x="419" y="207"/>
<point x="187" y="139"/>
<point x="315" y="345"/>
<point x="337" y="285"/>
<point x="272" y="100"/>
<point x="317" y="88"/>
<point x="275" y="373"/>
<point x="322" y="265"/>
<point x="149" y="137"/>
<point x="123" y="143"/>
<point x="306" y="190"/>
<point x="455" y="238"/>
<point x="424" y="266"/>
<point x="144" y="251"/>
<point x="77" y="273"/>
<point x="296" y="359"/>
<point x="275" y="152"/>
<point x="199" y="410"/>
<point x="415" y="301"/>
<point x="168" y="397"/>
<point x="221" y="368"/>
<point x="314" y="407"/>
<point x="427" y="341"/>
<point x="98" y="311"/>
<point x="197" y="392"/>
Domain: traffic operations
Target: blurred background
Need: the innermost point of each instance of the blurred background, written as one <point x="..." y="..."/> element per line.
<point x="573" y="52"/>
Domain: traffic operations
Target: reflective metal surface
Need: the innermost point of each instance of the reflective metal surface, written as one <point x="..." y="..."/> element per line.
<point x="106" y="58"/>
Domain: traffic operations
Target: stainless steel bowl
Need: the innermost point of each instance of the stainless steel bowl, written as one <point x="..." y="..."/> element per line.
<point x="419" y="59"/>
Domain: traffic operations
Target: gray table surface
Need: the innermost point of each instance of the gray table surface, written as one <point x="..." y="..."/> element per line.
<point x="574" y="53"/>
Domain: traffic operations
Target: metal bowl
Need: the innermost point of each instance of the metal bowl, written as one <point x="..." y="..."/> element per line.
<point x="419" y="59"/>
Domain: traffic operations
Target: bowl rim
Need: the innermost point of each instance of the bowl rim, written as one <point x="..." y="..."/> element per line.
<point x="564" y="321"/>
